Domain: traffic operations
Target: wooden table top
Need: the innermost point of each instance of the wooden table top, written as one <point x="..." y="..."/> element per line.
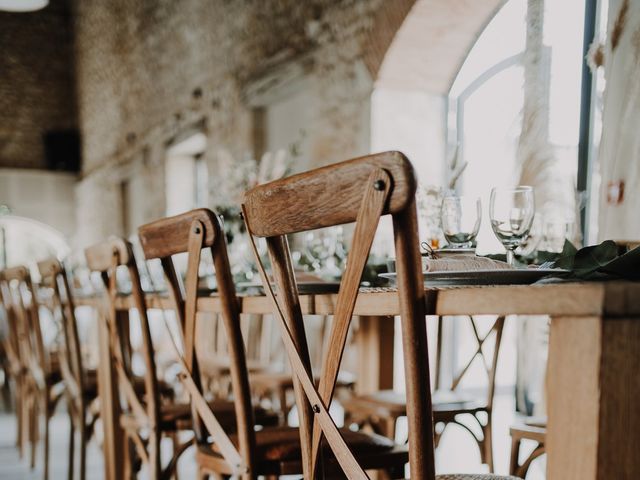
<point x="561" y="299"/>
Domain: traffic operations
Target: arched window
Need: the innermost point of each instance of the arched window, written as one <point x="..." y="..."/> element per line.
<point x="487" y="99"/>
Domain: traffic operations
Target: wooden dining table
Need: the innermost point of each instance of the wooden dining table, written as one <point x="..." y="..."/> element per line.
<point x="593" y="380"/>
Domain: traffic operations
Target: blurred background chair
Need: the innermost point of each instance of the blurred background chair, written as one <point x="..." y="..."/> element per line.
<point x="41" y="387"/>
<point x="80" y="384"/>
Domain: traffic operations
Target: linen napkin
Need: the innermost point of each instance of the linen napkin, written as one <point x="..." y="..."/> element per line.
<point x="463" y="262"/>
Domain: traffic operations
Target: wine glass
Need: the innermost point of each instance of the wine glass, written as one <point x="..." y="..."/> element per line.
<point x="511" y="211"/>
<point x="461" y="220"/>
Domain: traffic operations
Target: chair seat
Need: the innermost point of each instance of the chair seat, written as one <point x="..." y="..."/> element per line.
<point x="387" y="403"/>
<point x="265" y="381"/>
<point x="283" y="444"/>
<point x="474" y="476"/>
<point x="535" y="431"/>
<point x="177" y="416"/>
<point x="216" y="365"/>
<point x="91" y="385"/>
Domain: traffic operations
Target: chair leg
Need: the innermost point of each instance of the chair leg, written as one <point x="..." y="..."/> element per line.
<point x="72" y="435"/>
<point x="390" y="428"/>
<point x="127" y="461"/>
<point x="33" y="430"/>
<point x="514" y="456"/>
<point x="176" y="446"/>
<point x="20" y="418"/>
<point x="282" y="397"/>
<point x="83" y="448"/>
<point x="487" y="445"/>
<point x="47" y="417"/>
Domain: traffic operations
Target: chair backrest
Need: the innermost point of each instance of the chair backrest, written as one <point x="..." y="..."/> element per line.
<point x="105" y="258"/>
<point x="192" y="232"/>
<point x="360" y="191"/>
<point x="492" y="336"/>
<point x="26" y="318"/>
<point x="54" y="275"/>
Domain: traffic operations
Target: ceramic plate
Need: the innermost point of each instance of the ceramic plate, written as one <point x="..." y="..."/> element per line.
<point x="523" y="276"/>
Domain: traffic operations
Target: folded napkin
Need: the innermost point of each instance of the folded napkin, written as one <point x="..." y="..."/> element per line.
<point x="463" y="262"/>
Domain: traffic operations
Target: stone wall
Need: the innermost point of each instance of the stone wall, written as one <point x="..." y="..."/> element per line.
<point x="150" y="71"/>
<point x="36" y="82"/>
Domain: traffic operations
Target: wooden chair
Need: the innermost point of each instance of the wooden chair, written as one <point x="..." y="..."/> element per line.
<point x="17" y="364"/>
<point x="360" y="191"/>
<point x="382" y="409"/>
<point x="144" y="411"/>
<point x="144" y="419"/>
<point x="531" y="430"/>
<point x="80" y="385"/>
<point x="233" y="447"/>
<point x="276" y="386"/>
<point x="42" y="387"/>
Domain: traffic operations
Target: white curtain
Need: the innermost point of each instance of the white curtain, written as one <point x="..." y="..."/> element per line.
<point x="619" y="153"/>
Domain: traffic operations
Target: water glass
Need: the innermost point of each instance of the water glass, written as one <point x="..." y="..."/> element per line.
<point x="461" y="220"/>
<point x="511" y="211"/>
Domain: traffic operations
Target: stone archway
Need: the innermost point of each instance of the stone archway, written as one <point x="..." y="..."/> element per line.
<point x="423" y="43"/>
<point x="413" y="53"/>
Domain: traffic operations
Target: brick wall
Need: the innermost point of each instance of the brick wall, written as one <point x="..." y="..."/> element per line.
<point x="36" y="82"/>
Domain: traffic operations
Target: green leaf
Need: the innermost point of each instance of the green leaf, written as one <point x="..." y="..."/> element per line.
<point x="589" y="259"/>
<point x="626" y="266"/>
<point x="567" y="256"/>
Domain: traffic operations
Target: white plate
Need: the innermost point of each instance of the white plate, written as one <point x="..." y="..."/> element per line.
<point x="304" y="288"/>
<point x="522" y="276"/>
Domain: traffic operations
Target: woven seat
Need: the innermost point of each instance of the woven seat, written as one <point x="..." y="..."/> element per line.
<point x="474" y="476"/>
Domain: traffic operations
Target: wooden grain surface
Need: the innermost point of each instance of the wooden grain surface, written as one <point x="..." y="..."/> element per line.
<point x="100" y="256"/>
<point x="572" y="383"/>
<point x="169" y="236"/>
<point x="567" y="299"/>
<point x="337" y="195"/>
<point x="619" y="420"/>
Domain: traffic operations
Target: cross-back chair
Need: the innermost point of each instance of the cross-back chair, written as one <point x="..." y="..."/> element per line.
<point x="382" y="409"/>
<point x="42" y="388"/>
<point x="149" y="414"/>
<point x="360" y="191"/>
<point x="229" y="424"/>
<point x="16" y="368"/>
<point x="532" y="431"/>
<point x="277" y="386"/>
<point x="80" y="384"/>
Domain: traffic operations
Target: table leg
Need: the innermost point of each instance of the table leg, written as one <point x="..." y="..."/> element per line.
<point x="109" y="407"/>
<point x="375" y="353"/>
<point x="594" y="385"/>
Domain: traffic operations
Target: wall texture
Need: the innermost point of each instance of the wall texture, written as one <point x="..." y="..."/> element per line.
<point x="36" y="82"/>
<point x="150" y="71"/>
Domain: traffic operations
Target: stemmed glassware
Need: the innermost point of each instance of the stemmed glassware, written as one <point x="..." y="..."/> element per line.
<point x="461" y="220"/>
<point x="511" y="211"/>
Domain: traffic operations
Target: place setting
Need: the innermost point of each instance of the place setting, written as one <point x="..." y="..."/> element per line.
<point x="512" y="213"/>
